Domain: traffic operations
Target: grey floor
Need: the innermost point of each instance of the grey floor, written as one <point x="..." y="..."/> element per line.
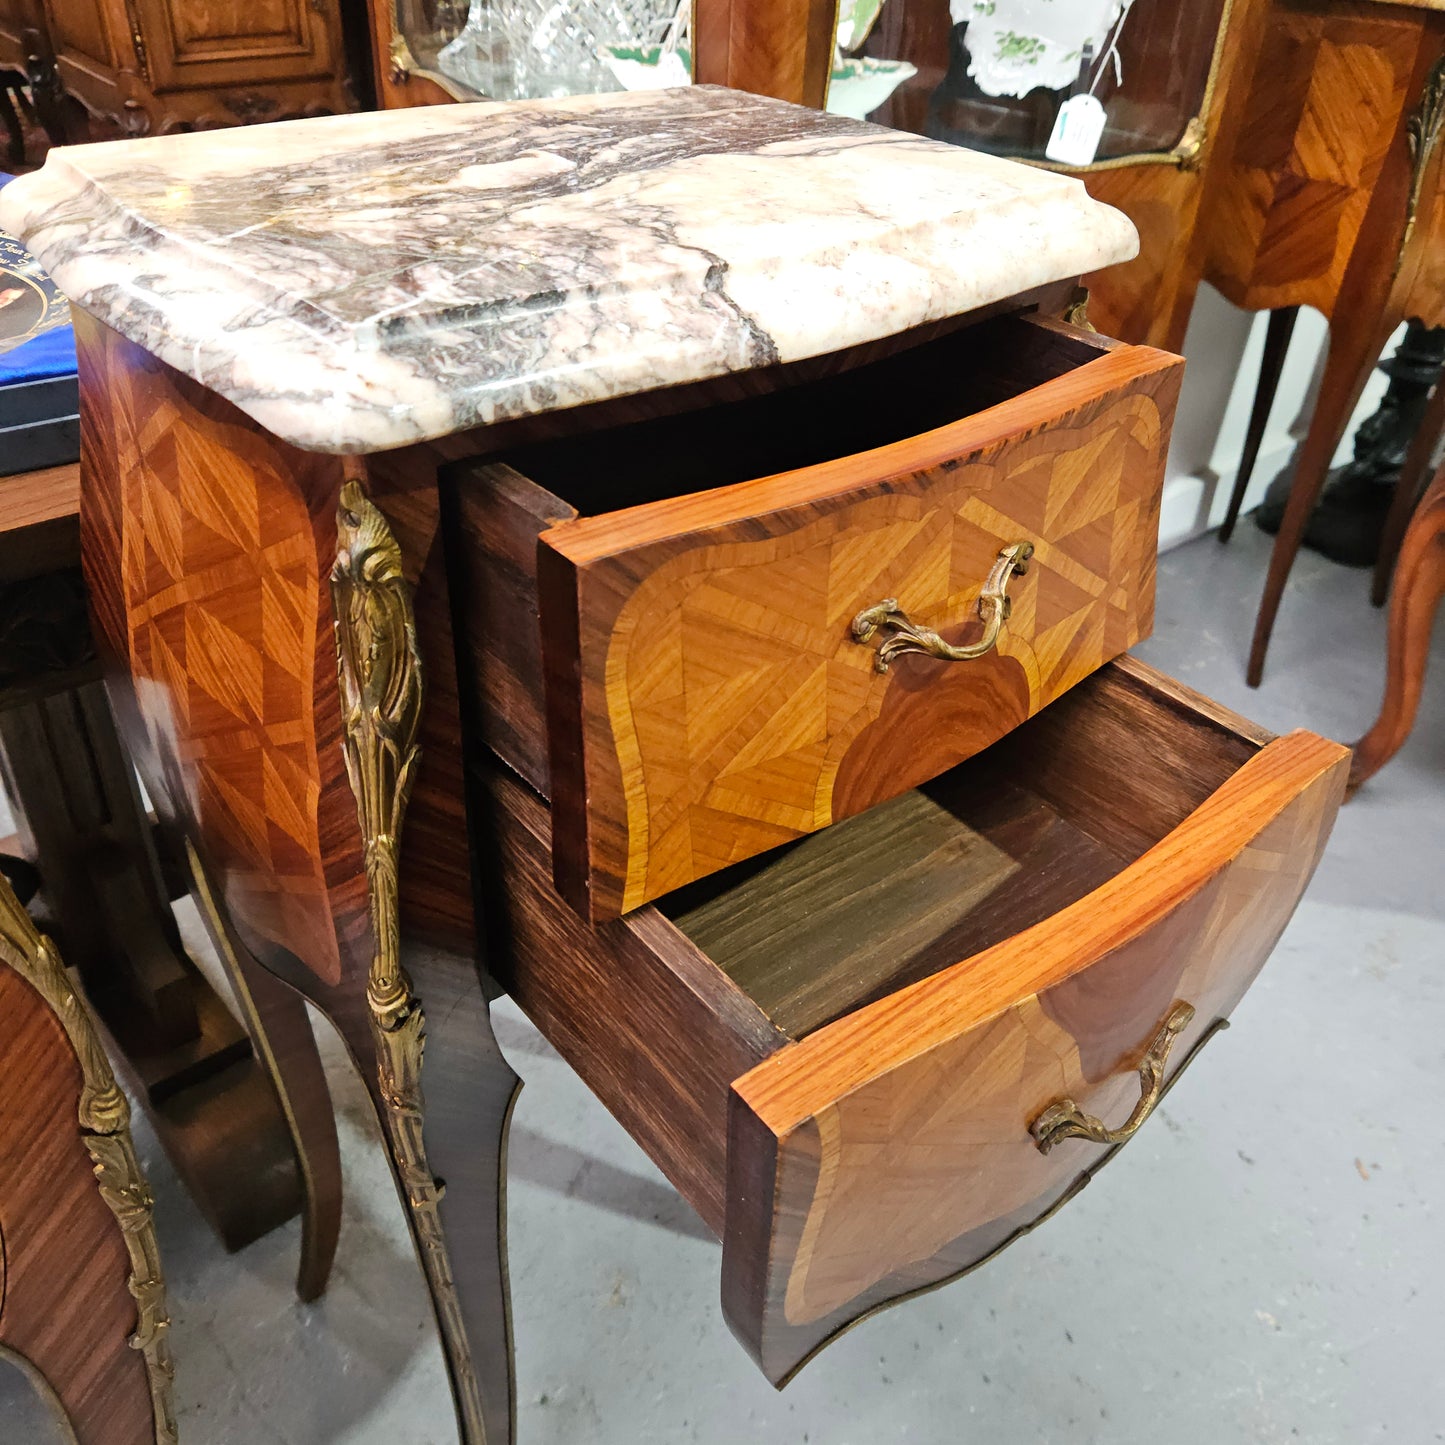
<point x="1263" y="1264"/>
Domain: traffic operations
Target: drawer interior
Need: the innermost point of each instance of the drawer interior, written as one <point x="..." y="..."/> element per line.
<point x="819" y="927"/>
<point x="872" y="405"/>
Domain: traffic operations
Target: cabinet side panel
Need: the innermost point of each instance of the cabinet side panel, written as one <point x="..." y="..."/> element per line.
<point x="207" y="544"/>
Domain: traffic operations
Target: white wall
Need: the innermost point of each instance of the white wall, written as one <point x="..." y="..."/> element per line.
<point x="1223" y="350"/>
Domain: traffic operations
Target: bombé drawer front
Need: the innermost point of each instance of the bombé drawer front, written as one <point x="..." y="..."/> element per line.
<point x="730" y="669"/>
<point x="878" y="1055"/>
<point x="914" y="1138"/>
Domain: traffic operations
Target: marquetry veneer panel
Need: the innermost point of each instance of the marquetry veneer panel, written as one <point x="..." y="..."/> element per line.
<point x="64" y="1305"/>
<point x="208" y="544"/>
<point x="706" y="700"/>
<point x="848" y="1163"/>
<point x="1329" y="87"/>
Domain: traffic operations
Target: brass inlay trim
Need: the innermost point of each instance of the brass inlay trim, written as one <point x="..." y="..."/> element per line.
<point x="1076" y="313"/>
<point x="905" y="635"/>
<point x="104" y="1117"/>
<point x="1422" y="135"/>
<point x="380" y="676"/>
<point x="1066" y="1120"/>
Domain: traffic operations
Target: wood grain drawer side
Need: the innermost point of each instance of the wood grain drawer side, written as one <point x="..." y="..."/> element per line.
<point x="837" y="1053"/>
<point x="705" y="697"/>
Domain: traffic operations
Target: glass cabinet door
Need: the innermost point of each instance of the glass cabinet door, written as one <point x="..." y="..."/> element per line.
<point x="992" y="74"/>
<point x="420" y="30"/>
<point x="527" y="49"/>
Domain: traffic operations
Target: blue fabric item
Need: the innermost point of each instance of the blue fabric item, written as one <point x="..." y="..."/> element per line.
<point x="52" y="354"/>
<point x="49" y="355"/>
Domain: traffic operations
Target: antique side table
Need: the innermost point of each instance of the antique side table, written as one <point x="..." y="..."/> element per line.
<point x="688" y="513"/>
<point x="1328" y="193"/>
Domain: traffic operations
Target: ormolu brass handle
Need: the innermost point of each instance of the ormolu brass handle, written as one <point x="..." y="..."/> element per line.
<point x="906" y="636"/>
<point x="1065" y="1120"/>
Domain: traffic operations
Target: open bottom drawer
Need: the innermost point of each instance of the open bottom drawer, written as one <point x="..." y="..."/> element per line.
<point x="873" y="1058"/>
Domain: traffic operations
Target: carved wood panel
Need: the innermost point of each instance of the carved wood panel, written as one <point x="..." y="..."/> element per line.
<point x="234" y="42"/>
<point x="724" y="708"/>
<point x="162" y="65"/>
<point x="88" y="30"/>
<point x="892" y="1150"/>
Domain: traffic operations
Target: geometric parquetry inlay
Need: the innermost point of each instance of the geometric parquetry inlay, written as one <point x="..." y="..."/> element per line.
<point x="221" y="597"/>
<point x="734" y="690"/>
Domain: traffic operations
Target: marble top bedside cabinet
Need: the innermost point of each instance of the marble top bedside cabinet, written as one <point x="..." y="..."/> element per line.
<point x="726" y="558"/>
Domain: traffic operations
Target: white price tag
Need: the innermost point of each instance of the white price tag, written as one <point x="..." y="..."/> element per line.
<point x="1077" y="131"/>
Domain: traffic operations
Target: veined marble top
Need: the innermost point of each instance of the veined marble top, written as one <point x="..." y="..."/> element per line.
<point x="357" y="282"/>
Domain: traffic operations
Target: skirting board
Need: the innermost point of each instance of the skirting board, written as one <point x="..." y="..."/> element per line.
<point x="1195" y="504"/>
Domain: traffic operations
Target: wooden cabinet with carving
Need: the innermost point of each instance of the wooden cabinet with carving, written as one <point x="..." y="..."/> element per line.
<point x="165" y="65"/>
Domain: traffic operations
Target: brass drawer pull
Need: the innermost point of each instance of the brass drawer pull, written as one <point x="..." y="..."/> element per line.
<point x="1065" y="1120"/>
<point x="906" y="636"/>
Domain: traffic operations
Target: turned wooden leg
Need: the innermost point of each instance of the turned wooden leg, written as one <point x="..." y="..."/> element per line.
<point x="1355" y="346"/>
<point x="1419" y="585"/>
<point x="1407" y="491"/>
<point x="276" y="1018"/>
<point x="1276" y="348"/>
<point x="60" y="114"/>
<point x="13" y="128"/>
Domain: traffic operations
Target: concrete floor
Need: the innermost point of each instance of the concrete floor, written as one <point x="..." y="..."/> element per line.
<point x="1262" y="1264"/>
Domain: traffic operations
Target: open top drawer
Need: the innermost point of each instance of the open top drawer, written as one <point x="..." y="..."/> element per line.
<point x="877" y="1056"/>
<point x="785" y="610"/>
